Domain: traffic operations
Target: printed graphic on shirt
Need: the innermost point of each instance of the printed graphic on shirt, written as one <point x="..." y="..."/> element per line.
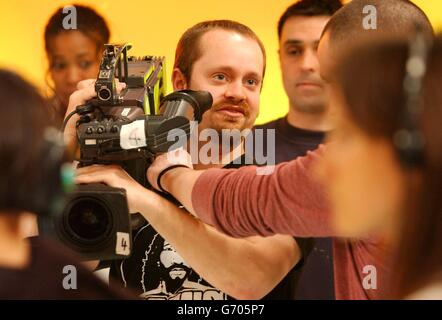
<point x="164" y="273"/>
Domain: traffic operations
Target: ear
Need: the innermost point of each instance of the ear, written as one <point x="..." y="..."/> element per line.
<point x="178" y="80"/>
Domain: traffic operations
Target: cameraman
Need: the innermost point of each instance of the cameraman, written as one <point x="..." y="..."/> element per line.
<point x="229" y="62"/>
<point x="365" y="179"/>
<point x="30" y="167"/>
<point x="290" y="200"/>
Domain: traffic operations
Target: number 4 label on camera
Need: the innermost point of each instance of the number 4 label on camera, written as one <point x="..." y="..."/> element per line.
<point x="123" y="244"/>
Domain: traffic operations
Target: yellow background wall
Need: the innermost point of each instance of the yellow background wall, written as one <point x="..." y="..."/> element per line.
<point x="154" y="27"/>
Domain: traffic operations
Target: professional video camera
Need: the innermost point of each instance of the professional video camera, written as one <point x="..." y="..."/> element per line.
<point x="127" y="129"/>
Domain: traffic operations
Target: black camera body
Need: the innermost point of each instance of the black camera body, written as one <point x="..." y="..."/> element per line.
<point x="94" y="223"/>
<point x="127" y="129"/>
<point x="144" y="77"/>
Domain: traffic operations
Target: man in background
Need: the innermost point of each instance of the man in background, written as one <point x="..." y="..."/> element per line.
<point x="307" y="121"/>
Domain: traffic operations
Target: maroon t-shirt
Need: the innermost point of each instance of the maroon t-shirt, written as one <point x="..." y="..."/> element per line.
<point x="242" y="203"/>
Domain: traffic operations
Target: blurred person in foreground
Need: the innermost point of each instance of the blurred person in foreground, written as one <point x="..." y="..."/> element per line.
<point x="30" y="164"/>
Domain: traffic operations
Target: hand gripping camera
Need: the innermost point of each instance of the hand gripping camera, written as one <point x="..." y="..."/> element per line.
<point x="128" y="129"/>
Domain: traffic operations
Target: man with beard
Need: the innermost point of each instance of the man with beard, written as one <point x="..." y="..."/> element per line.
<point x="227" y="59"/>
<point x="291" y="200"/>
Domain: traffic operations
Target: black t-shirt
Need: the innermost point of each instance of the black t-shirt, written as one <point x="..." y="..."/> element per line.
<point x="54" y="273"/>
<point x="291" y="142"/>
<point x="312" y="279"/>
<point x="156" y="271"/>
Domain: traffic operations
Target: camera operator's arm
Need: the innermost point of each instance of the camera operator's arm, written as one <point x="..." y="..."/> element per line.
<point x="179" y="180"/>
<point x="243" y="268"/>
<point x="241" y="203"/>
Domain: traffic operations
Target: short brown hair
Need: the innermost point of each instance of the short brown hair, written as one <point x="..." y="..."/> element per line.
<point x="309" y="8"/>
<point x="393" y="16"/>
<point x="188" y="50"/>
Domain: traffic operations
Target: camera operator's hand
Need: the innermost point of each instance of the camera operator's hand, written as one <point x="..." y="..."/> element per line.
<point x="167" y="162"/>
<point x="85" y="92"/>
<point x="115" y="176"/>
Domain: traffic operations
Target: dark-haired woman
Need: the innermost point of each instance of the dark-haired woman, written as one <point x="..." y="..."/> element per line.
<point x="73" y="54"/>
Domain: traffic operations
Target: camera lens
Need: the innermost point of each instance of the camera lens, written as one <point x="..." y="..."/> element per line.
<point x="104" y="93"/>
<point x="88" y="221"/>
